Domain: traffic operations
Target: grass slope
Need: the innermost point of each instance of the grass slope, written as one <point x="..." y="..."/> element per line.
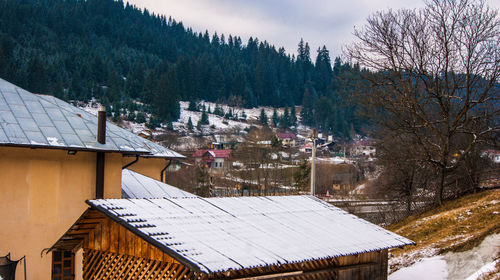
<point x="456" y="226"/>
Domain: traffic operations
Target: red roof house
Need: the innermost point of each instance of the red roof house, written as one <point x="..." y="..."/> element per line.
<point x="216" y="160"/>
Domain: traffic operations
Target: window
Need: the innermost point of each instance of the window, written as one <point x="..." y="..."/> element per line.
<point x="63" y="265"/>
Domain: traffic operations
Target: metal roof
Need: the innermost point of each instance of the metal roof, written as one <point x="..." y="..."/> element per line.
<point x="135" y="185"/>
<point x="213" y="152"/>
<point x="220" y="234"/>
<point x="32" y="120"/>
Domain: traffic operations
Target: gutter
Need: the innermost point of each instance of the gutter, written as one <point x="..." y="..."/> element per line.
<point x="162" y="173"/>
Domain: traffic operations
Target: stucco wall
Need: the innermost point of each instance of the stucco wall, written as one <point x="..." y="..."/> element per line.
<point x="43" y="192"/>
<point x="150" y="167"/>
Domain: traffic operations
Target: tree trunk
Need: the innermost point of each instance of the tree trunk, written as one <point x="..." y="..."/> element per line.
<point x="440" y="187"/>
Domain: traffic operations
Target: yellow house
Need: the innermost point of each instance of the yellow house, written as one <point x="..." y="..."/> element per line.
<point x="53" y="157"/>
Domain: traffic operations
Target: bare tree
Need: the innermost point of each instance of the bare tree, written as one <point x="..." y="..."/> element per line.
<point x="436" y="80"/>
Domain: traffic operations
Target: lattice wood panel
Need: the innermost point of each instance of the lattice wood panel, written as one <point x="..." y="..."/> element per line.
<point x="105" y="265"/>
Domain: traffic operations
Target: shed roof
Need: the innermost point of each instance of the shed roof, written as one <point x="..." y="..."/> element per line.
<point x="33" y="120"/>
<point x="221" y="234"/>
<point x="135" y="185"/>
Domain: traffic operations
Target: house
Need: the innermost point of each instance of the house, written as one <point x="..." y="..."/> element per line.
<point x="363" y="148"/>
<point x="223" y="142"/>
<point x="306" y="148"/>
<point x="217" y="161"/>
<point x="287" y="138"/>
<point x="53" y="157"/>
<point x="287" y="237"/>
<point x="493" y="155"/>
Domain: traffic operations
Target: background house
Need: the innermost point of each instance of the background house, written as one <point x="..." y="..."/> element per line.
<point x="216" y="161"/>
<point x="363" y="148"/>
<point x="287" y="138"/>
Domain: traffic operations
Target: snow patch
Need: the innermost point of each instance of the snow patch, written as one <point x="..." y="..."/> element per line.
<point x="53" y="141"/>
<point x="433" y="268"/>
<point x="484" y="270"/>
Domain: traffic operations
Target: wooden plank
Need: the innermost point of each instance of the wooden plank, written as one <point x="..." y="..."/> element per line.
<point x="97" y="237"/>
<point x="113" y="237"/>
<point x="122" y="240"/>
<point x="91" y="240"/>
<point x="105" y="235"/>
<point x="131" y="243"/>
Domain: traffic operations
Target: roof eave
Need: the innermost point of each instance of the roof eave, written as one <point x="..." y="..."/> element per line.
<point x="147" y="238"/>
<point x="80" y="149"/>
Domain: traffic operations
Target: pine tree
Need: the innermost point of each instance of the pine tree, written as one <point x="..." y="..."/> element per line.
<point x="204" y="117"/>
<point x="190" y="124"/>
<point x="275" y="118"/>
<point x="193" y="106"/>
<point x="293" y="117"/>
<point x="285" y="119"/>
<point x="263" y="117"/>
<point x="302" y="177"/>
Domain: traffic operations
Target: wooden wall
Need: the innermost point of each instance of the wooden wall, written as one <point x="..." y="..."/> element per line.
<point x="365" y="266"/>
<point x="112" y="237"/>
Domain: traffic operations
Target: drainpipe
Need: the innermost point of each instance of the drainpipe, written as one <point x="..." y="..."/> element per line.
<point x="162" y="174"/>
<point x="130" y="163"/>
<point x="101" y="156"/>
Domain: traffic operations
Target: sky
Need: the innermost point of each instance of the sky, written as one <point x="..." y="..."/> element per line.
<point x="282" y="23"/>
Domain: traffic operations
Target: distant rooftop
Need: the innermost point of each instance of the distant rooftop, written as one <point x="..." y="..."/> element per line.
<point x="213" y="153"/>
<point x="32" y="120"/>
<point x="286" y="135"/>
<point x="135" y="185"/>
<point x="233" y="233"/>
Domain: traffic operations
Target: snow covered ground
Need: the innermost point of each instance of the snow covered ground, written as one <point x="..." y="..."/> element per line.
<point x="470" y="265"/>
<point x="433" y="268"/>
<point x="219" y="122"/>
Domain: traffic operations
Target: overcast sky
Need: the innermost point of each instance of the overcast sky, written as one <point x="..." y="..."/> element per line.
<point x="280" y="22"/>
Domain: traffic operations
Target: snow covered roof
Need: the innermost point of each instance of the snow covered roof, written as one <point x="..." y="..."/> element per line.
<point x="135" y="185"/>
<point x="213" y="153"/>
<point x="220" y="234"/>
<point x="44" y="121"/>
<point x="286" y="135"/>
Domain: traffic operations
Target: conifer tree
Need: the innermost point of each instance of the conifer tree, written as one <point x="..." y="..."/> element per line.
<point x="293" y="117"/>
<point x="190" y="124"/>
<point x="192" y="106"/>
<point x="263" y="117"/>
<point x="285" y="119"/>
<point x="204" y="117"/>
<point x="275" y="118"/>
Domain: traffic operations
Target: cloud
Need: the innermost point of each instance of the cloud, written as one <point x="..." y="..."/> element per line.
<point x="279" y="22"/>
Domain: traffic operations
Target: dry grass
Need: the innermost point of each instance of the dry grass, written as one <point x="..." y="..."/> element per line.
<point x="457" y="225"/>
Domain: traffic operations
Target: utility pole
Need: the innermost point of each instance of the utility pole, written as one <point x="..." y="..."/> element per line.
<point x="313" y="164"/>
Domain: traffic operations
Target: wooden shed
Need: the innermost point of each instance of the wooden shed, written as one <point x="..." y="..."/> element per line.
<point x="297" y="237"/>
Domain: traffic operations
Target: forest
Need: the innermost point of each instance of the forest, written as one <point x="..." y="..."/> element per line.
<point x="119" y="54"/>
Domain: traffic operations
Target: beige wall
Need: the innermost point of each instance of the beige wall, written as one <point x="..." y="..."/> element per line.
<point x="43" y="192"/>
<point x="150" y="167"/>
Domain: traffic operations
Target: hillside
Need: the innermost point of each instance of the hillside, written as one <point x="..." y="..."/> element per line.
<point x="117" y="53"/>
<point x="460" y="237"/>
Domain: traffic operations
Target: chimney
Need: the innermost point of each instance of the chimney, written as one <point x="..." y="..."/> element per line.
<point x="101" y="125"/>
<point x="101" y="157"/>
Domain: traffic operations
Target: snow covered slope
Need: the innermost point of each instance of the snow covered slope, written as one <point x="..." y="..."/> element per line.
<point x="462" y="235"/>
